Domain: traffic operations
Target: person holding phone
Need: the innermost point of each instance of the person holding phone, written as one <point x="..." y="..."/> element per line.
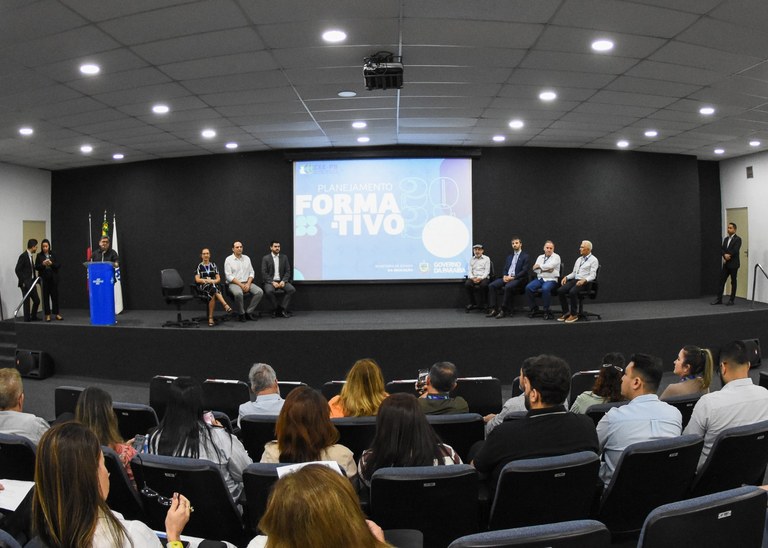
<point x="47" y="267"/>
<point x="436" y="399"/>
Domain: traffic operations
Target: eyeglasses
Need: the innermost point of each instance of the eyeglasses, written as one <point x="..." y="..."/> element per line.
<point x="619" y="369"/>
<point x="157" y="497"/>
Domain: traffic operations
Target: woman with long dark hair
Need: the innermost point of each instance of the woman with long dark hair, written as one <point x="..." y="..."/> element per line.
<point x="305" y="433"/>
<point x="47" y="267"/>
<point x="694" y="366"/>
<point x="69" y="506"/>
<point x="403" y="438"/>
<point x="607" y="387"/>
<point x="184" y="433"/>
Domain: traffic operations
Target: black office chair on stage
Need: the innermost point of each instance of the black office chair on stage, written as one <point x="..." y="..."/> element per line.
<point x="570" y="534"/>
<point x="17" y="457"/>
<point x="173" y="291"/>
<point x="589" y="291"/>
<point x="123" y="496"/>
<point x="134" y="418"/>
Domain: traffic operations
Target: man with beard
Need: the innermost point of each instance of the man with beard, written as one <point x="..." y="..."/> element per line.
<point x="547" y="430"/>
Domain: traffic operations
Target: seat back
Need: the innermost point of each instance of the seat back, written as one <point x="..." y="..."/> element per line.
<point x="256" y="431"/>
<point x="581" y="381"/>
<point x="560" y="488"/>
<point x="648" y="475"/>
<point x="134" y="418"/>
<point x="258" y="480"/>
<point x="482" y="394"/>
<point x="123" y="496"/>
<point x="215" y="515"/>
<point x="355" y="433"/>
<point x="718" y="519"/>
<point x="225" y="396"/>
<point x="460" y="430"/>
<point x="287" y="386"/>
<point x="516" y="388"/>
<point x="65" y="399"/>
<point x="570" y="534"/>
<point x="598" y="411"/>
<point x="439" y="501"/>
<point x="159" y="388"/>
<point x="17" y="457"/>
<point x="738" y="457"/>
<point x="331" y="389"/>
<point x="404" y="386"/>
<point x="685" y="405"/>
<point x="171" y="283"/>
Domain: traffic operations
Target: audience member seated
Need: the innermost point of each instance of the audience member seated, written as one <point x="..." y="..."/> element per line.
<point x="305" y="433"/>
<point x="403" y="438"/>
<point x="208" y="278"/>
<point x="547" y="430"/>
<point x="94" y="410"/>
<point x="12" y="418"/>
<point x="515" y="404"/>
<point x="694" y="366"/>
<point x="315" y="506"/>
<point x="183" y="433"/>
<point x="737" y="403"/>
<point x="264" y="386"/>
<point x="607" y="387"/>
<point x="478" y="277"/>
<point x="363" y="392"/>
<point x="644" y="418"/>
<point x="72" y="484"/>
<point x="436" y="399"/>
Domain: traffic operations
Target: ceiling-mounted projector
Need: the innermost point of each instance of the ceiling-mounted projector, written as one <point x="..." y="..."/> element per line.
<point x="383" y="70"/>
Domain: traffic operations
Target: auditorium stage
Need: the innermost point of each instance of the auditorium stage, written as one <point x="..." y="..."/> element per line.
<point x="317" y="346"/>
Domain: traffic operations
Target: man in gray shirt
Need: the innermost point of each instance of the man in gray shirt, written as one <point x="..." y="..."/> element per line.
<point x="12" y="419"/>
<point x="264" y="385"/>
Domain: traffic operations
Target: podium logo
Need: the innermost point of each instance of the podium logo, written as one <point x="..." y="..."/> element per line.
<point x="98" y="281"/>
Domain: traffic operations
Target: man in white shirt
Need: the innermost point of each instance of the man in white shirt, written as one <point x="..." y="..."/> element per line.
<point x="12" y="419"/>
<point x="478" y="277"/>
<point x="547" y="272"/>
<point x="264" y="385"/>
<point x="644" y="418"/>
<point x="239" y="273"/>
<point x="737" y="403"/>
<point x="584" y="271"/>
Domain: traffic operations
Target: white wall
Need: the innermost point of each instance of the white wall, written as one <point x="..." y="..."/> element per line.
<point x="25" y="195"/>
<point x="738" y="191"/>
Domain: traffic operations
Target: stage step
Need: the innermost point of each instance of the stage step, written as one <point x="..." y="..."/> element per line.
<point x="6" y="361"/>
<point x="7" y="344"/>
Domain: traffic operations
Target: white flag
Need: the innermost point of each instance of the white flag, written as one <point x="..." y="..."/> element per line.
<point x="118" y="286"/>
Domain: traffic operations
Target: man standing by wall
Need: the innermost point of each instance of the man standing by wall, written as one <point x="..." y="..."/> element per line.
<point x="730" y="251"/>
<point x="25" y="272"/>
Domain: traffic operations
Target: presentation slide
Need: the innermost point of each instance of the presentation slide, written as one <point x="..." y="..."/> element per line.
<point x="382" y="219"/>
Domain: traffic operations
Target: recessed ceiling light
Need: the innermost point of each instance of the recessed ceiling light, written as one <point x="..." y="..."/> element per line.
<point x="26" y="130"/>
<point x="363" y="139"/>
<point x="90" y="69"/>
<point x="118" y="156"/>
<point x="499" y="138"/>
<point x="516" y="124"/>
<point x="706" y="111"/>
<point x="334" y="36"/>
<point x="208" y="133"/>
<point x="622" y="144"/>
<point x="231" y="146"/>
<point x="359" y="125"/>
<point x="547" y="95"/>
<point x="346" y="93"/>
<point x="160" y="109"/>
<point x="754" y="143"/>
<point x="86" y="149"/>
<point x="719" y="151"/>
<point x="651" y="133"/>
<point x="602" y="45"/>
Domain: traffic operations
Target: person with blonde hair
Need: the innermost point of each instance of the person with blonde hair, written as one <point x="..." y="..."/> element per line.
<point x="94" y="410"/>
<point x="69" y="507"/>
<point x="362" y="393"/>
<point x="694" y="366"/>
<point x="316" y="506"/>
<point x="305" y="433"/>
<point x="13" y="419"/>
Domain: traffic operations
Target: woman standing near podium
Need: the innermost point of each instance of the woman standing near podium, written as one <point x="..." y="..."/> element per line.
<point x="48" y="269"/>
<point x="207" y="279"/>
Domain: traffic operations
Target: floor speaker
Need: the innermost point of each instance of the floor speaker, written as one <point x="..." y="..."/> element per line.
<point x="34" y="364"/>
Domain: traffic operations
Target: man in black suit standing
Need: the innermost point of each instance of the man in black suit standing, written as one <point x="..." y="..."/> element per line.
<point x="25" y="272"/>
<point x="730" y="252"/>
<point x="276" y="273"/>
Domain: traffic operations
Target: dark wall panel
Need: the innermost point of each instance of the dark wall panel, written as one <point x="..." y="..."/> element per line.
<point x="629" y="205"/>
<point x="710" y="211"/>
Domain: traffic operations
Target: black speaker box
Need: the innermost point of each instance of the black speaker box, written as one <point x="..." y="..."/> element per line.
<point x="34" y="364"/>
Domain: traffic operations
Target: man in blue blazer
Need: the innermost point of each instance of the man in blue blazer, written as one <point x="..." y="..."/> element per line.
<point x="515" y="274"/>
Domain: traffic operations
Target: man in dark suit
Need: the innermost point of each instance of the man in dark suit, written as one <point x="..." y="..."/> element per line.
<point x="276" y="273"/>
<point x="25" y="272"/>
<point x="515" y="275"/>
<point x="730" y="251"/>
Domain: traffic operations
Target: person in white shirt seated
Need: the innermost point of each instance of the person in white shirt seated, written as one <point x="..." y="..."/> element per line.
<point x="238" y="271"/>
<point x="12" y="418"/>
<point x="264" y="386"/>
<point x="478" y="278"/>
<point x="584" y="271"/>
